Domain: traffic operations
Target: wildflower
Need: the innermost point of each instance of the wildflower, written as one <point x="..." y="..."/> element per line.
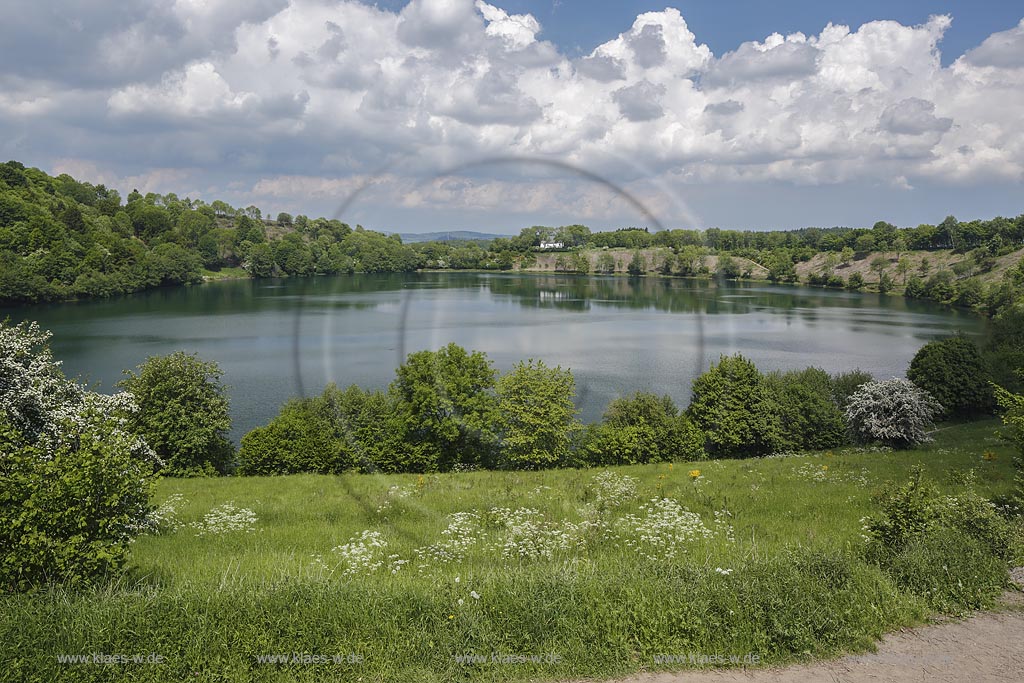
<point x="361" y="553"/>
<point x="474" y="595"/>
<point x="457" y="579"/>
<point x="664" y="529"/>
<point x="613" y="489"/>
<point x="989" y="456"/>
<point x="824" y="467"/>
<point x="226" y="518"/>
<point x="694" y="474"/>
<point x="723" y="572"/>
<point x="461" y="601"/>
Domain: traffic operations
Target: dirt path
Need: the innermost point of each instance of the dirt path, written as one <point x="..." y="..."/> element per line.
<point x="988" y="646"/>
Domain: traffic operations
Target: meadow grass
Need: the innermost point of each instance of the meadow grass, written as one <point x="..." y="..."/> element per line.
<point x="588" y="577"/>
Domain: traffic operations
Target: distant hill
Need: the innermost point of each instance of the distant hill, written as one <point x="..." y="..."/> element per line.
<point x="449" y="236"/>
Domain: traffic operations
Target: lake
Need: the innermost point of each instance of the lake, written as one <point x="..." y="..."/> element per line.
<point x="276" y="339"/>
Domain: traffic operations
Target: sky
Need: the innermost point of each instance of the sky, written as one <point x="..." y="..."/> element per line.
<point x="463" y="115"/>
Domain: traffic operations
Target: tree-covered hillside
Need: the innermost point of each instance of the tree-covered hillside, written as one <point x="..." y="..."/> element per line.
<point x="61" y="238"/>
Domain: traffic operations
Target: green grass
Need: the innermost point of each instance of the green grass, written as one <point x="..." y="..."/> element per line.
<point x="230" y="273"/>
<point x="210" y="605"/>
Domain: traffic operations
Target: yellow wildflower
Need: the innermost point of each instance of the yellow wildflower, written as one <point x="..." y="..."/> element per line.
<point x="694" y="474"/>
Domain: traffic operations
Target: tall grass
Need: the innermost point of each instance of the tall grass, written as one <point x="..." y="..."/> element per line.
<point x="779" y="574"/>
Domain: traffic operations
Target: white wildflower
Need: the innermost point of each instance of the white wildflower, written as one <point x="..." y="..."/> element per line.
<point x="225" y="519"/>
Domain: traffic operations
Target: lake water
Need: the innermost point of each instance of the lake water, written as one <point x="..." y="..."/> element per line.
<point x="276" y="339"/>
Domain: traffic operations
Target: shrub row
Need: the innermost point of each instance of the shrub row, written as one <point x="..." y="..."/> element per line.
<point x="449" y="409"/>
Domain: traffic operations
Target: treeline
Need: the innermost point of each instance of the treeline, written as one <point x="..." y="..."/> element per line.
<point x="994" y="237"/>
<point x="449" y="410"/>
<point x="61" y="238"/>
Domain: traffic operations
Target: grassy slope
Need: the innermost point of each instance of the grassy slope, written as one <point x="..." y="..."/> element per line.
<point x="209" y="605"/>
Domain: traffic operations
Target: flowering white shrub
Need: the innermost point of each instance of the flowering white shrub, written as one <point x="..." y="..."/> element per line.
<point x="363" y="554"/>
<point x="225" y="519"/>
<point x="663" y="529"/>
<point x="46" y="407"/>
<point x="895" y="412"/>
<point x="612" y="490"/>
<point x="77" y="482"/>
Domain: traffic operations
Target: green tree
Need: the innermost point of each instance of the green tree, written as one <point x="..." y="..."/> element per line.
<point x="953" y="371"/>
<point x="1012" y="406"/>
<point x="637" y="265"/>
<point x="846" y="255"/>
<point x="903" y="267"/>
<point x="878" y="265"/>
<point x="450" y="399"/>
<point x="864" y="244"/>
<point x="809" y="416"/>
<point x="728" y="268"/>
<point x="780" y="267"/>
<point x="855" y="281"/>
<point x="733" y="407"/>
<point x="605" y="263"/>
<point x="260" y="260"/>
<point x="642" y="428"/>
<point x="307" y="435"/>
<point x="183" y="413"/>
<point x="885" y="283"/>
<point x="537" y="416"/>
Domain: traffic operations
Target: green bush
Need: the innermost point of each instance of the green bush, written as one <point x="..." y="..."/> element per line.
<point x="915" y="288"/>
<point x="953" y="371"/>
<point x="334" y="432"/>
<point x="75" y="484"/>
<point x="1012" y="406"/>
<point x="845" y="384"/>
<point x="642" y="428"/>
<point x="809" y="417"/>
<point x="68" y="516"/>
<point x="950" y="570"/>
<point x="732" y="405"/>
<point x="855" y="281"/>
<point x="537" y="416"/>
<point x="183" y="413"/>
<point x="301" y="438"/>
<point x="950" y="550"/>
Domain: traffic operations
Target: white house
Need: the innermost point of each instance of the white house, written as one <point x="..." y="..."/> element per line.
<point x="552" y="245"/>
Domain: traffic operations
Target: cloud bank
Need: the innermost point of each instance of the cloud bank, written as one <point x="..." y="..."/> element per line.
<point x="277" y="101"/>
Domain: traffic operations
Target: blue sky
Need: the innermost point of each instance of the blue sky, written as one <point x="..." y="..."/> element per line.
<point x="579" y="26"/>
<point x="412" y="115"/>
